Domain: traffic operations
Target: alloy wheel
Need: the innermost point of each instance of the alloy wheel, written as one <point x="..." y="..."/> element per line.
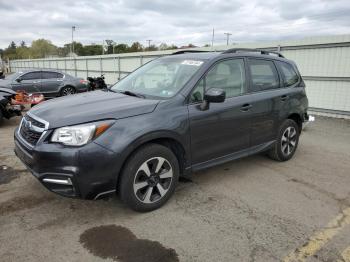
<point x="68" y="91"/>
<point x="152" y="180"/>
<point x="289" y="140"/>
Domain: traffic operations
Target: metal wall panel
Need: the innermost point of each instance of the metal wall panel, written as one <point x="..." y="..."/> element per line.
<point x="324" y="62"/>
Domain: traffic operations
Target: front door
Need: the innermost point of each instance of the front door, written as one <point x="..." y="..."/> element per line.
<point x="29" y="82"/>
<point x="223" y="128"/>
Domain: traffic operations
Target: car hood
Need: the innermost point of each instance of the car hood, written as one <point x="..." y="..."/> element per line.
<point x="91" y="106"/>
<point x="5" y="83"/>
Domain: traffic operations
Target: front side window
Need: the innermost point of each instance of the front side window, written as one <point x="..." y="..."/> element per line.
<point x="290" y="77"/>
<point x="31" y="76"/>
<point x="264" y="75"/>
<point x="160" y="78"/>
<point x="228" y="75"/>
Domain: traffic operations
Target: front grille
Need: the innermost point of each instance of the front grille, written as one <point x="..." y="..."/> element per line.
<point x="34" y="122"/>
<point x="31" y="130"/>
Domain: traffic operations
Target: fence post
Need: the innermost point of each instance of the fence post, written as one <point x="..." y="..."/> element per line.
<point x="119" y="69"/>
<point x="75" y="66"/>
<point x="87" y="67"/>
<point x="101" y="67"/>
<point x="115" y="66"/>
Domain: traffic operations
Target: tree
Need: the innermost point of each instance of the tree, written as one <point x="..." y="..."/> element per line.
<point x="121" y="48"/>
<point x="110" y="44"/>
<point x="43" y="48"/>
<point x="151" y="48"/>
<point x="164" y="46"/>
<point x="78" y="49"/>
<point x="23" y="44"/>
<point x="93" y="49"/>
<point x="136" y="47"/>
<point x="12" y="46"/>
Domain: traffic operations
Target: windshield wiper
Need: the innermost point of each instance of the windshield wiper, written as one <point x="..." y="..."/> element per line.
<point x="130" y="93"/>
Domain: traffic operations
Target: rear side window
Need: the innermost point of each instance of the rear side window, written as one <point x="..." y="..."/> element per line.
<point x="290" y="77"/>
<point x="50" y="75"/>
<point x="31" y="76"/>
<point x="264" y="75"/>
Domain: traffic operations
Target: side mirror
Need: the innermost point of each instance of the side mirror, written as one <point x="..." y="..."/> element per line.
<point x="213" y="95"/>
<point x="19" y="80"/>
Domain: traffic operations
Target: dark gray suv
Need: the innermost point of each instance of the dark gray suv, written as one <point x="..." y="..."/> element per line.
<point x="50" y="83"/>
<point x="174" y="115"/>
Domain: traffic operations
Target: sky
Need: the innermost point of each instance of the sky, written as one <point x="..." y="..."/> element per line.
<point x="178" y="22"/>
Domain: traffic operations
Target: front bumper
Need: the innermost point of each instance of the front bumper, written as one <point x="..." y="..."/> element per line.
<point x="85" y="172"/>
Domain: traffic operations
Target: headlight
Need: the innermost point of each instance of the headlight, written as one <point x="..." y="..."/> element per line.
<point x="79" y="135"/>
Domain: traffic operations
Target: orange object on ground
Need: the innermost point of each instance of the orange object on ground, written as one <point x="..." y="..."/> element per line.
<point x="23" y="98"/>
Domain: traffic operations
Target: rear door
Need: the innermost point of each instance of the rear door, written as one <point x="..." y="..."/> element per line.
<point x="30" y="82"/>
<point x="223" y="129"/>
<point x="266" y="96"/>
<point x="51" y="82"/>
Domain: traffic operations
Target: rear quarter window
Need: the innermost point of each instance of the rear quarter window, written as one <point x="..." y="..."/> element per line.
<point x="289" y="75"/>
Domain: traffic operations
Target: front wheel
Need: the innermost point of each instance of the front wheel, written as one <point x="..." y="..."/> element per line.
<point x="149" y="178"/>
<point x="287" y="141"/>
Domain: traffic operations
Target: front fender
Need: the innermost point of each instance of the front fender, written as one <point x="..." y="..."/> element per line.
<point x="127" y="134"/>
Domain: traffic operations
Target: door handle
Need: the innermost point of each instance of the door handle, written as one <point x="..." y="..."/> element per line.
<point x="246" y="107"/>
<point x="284" y="97"/>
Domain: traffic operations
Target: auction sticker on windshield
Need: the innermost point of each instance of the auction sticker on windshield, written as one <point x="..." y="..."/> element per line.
<point x="192" y="62"/>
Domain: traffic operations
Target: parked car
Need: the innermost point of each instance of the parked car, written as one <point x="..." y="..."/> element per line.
<point x="50" y="83"/>
<point x="7" y="109"/>
<point x="173" y="116"/>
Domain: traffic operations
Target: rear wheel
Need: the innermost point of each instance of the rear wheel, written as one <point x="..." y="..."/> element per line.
<point x="68" y="90"/>
<point x="287" y="141"/>
<point x="149" y="178"/>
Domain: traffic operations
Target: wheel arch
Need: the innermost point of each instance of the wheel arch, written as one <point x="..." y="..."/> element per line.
<point x="298" y="119"/>
<point x="167" y="139"/>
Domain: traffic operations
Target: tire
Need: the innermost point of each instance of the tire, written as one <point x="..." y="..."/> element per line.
<point x="287" y="141"/>
<point x="144" y="185"/>
<point x="67" y="90"/>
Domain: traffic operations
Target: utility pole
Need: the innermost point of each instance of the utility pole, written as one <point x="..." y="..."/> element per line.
<point x="72" y="46"/>
<point x="227" y="37"/>
<point x="149" y="43"/>
<point x="212" y="38"/>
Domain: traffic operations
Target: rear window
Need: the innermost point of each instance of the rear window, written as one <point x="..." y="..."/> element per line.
<point x="290" y="77"/>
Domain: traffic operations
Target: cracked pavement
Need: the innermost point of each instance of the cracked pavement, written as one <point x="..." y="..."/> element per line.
<point x="253" y="209"/>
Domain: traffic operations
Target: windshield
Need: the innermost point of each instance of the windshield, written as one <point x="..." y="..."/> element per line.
<point x="159" y="78"/>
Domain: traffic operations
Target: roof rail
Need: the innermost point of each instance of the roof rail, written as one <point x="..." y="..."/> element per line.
<point x="188" y="51"/>
<point x="263" y="52"/>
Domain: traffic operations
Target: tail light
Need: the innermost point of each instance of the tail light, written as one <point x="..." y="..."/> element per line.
<point x="82" y="81"/>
